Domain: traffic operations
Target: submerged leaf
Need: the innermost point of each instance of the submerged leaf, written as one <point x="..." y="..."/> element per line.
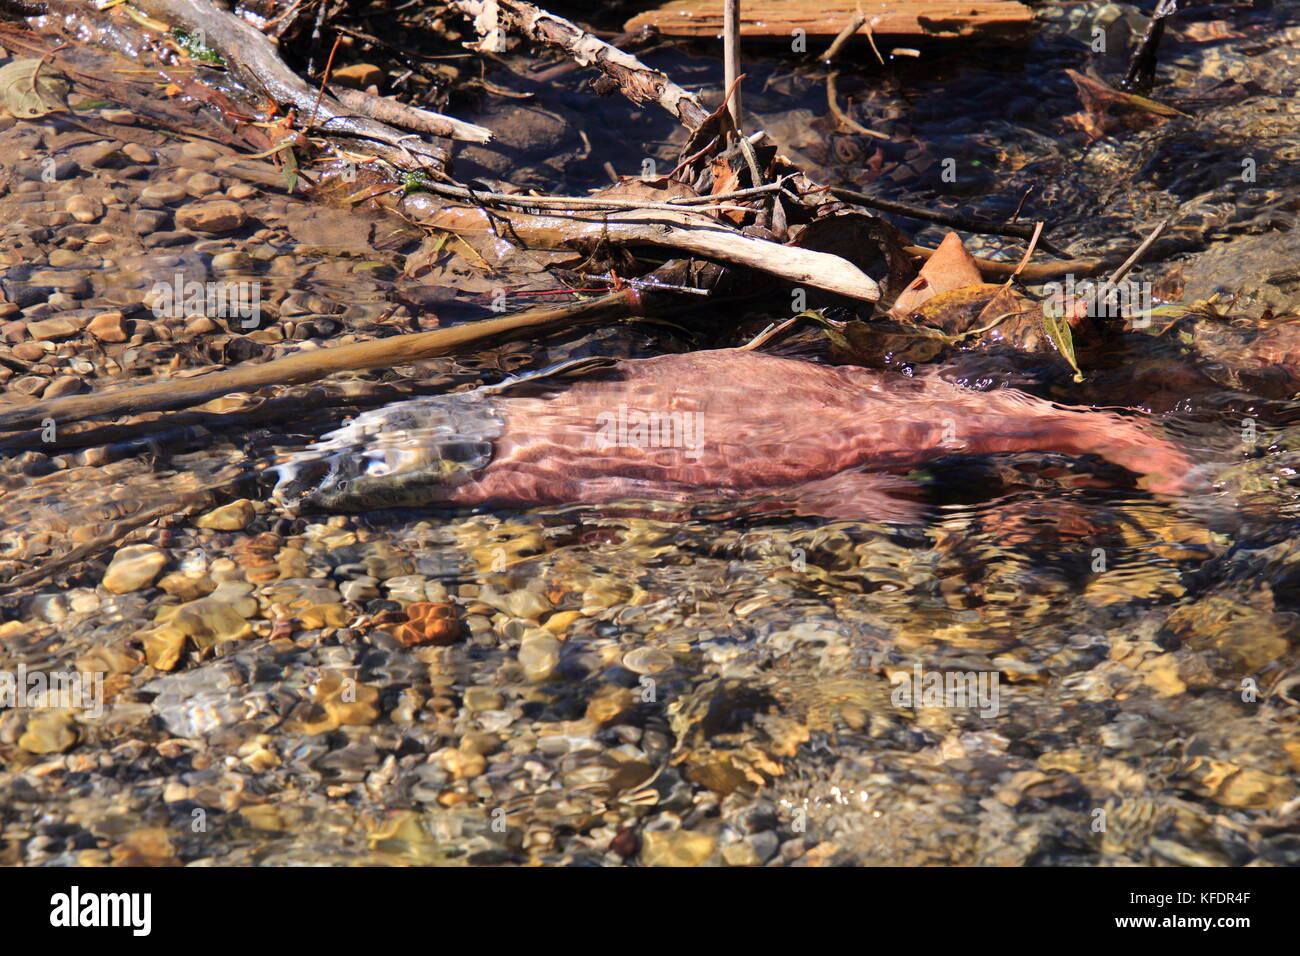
<point x="28" y="90"/>
<point x="877" y="343"/>
<point x="957" y="311"/>
<point x="1057" y="328"/>
<point x="290" y="169"/>
<point x="1106" y="109"/>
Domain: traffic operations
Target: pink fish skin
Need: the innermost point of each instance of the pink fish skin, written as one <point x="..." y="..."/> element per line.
<point x="824" y="439"/>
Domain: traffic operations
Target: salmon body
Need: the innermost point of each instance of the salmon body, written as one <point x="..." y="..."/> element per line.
<point x="737" y="430"/>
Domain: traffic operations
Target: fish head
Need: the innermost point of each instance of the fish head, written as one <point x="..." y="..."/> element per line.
<point x="404" y="455"/>
<point x="369" y="481"/>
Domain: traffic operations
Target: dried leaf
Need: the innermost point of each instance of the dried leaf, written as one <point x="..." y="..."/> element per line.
<point x="869" y="242"/>
<point x="290" y="160"/>
<point x="957" y="311"/>
<point x="878" y="343"/>
<point x="638" y="189"/>
<point x="29" y="90"/>
<point x="1106" y="109"/>
<point x="422" y="260"/>
<point x="951" y="267"/>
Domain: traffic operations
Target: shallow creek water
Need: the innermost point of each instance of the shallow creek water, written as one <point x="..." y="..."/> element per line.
<point x="284" y="688"/>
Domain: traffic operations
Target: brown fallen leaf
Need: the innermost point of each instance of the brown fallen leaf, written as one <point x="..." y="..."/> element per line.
<point x="985" y="315"/>
<point x="951" y="267"/>
<point x="1169" y="287"/>
<point x="638" y="189"/>
<point x="1206" y="31"/>
<point x="725" y="179"/>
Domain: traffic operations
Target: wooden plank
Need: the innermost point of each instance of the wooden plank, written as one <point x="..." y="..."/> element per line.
<point x="778" y="19"/>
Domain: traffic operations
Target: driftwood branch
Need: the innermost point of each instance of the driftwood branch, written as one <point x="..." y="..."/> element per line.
<point x="386" y="109"/>
<point x="821" y="270"/>
<point x="699" y="204"/>
<point x="256" y="63"/>
<point x="638" y="82"/>
<point x="310" y="366"/>
<point x="672" y="230"/>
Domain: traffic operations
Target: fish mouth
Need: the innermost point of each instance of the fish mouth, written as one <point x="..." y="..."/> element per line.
<point x="296" y="481"/>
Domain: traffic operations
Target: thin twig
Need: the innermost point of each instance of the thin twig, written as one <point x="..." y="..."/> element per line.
<point x="871" y="38"/>
<point x="1032" y="272"/>
<point x="844" y="118"/>
<point x="1138" y="253"/>
<point x="952" y="220"/>
<point x="689" y="160"/>
<point x="329" y="65"/>
<point x="778" y="186"/>
<point x="1111" y="285"/>
<point x="1015" y="216"/>
<point x="769" y="333"/>
<point x="1029" y="251"/>
<point x="590" y="203"/>
<point x="41" y="62"/>
<point x="853" y="26"/>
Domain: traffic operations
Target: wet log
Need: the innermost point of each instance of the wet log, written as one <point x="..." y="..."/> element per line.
<point x="778" y="19"/>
